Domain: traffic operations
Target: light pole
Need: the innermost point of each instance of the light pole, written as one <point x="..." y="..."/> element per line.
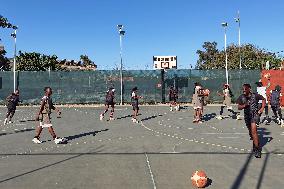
<point x="225" y="25"/>
<point x="121" y="34"/>
<point x="14" y="35"/>
<point x="238" y="20"/>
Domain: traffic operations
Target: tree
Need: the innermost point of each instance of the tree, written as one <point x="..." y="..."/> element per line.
<point x="252" y="57"/>
<point x="86" y="61"/>
<point x="36" y="62"/>
<point x="4" y="61"/>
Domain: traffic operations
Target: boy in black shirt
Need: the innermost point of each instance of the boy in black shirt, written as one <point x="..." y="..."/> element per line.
<point x="248" y="102"/>
<point x="173" y="95"/>
<point x="275" y="105"/>
<point x="109" y="102"/>
<point x="12" y="103"/>
<point x="135" y="104"/>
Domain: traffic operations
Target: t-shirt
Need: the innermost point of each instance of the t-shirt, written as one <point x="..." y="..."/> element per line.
<point x="262" y="92"/>
<point x="134" y="98"/>
<point x="48" y="104"/>
<point x="251" y="110"/>
<point x="110" y="96"/>
<point x="173" y="93"/>
<point x="13" y="101"/>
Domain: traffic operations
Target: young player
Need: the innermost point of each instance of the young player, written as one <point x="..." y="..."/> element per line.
<point x="135" y="104"/>
<point x="262" y="91"/>
<point x="197" y="100"/>
<point x="227" y="95"/>
<point x="173" y="95"/>
<point x="12" y="103"/>
<point x="248" y="102"/>
<point x="109" y="102"/>
<point x="43" y="116"/>
<point x="275" y="105"/>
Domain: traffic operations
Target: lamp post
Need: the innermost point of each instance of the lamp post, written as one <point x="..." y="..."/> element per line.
<point x="14" y="35"/>
<point x="238" y="20"/>
<point x="121" y="34"/>
<point x="225" y="25"/>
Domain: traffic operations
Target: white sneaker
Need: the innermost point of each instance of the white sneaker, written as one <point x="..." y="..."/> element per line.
<point x="37" y="141"/>
<point x="111" y="118"/>
<point x="239" y="117"/>
<point x="59" y="140"/>
<point x="135" y="121"/>
<point x="171" y="109"/>
<point x="278" y="121"/>
<point x="282" y="123"/>
<point x="5" y="121"/>
<point x="10" y="122"/>
<point x="219" y="117"/>
<point x="101" y="117"/>
<point x="177" y="108"/>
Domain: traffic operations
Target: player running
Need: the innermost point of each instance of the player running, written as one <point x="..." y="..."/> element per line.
<point x="109" y="102"/>
<point x="44" y="118"/>
<point x="173" y="96"/>
<point x="248" y="102"/>
<point x="135" y="104"/>
<point x="198" y="102"/>
<point x="275" y="105"/>
<point x="12" y="103"/>
<point x="227" y="95"/>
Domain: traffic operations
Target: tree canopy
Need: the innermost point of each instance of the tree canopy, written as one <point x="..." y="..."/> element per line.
<point x="253" y="57"/>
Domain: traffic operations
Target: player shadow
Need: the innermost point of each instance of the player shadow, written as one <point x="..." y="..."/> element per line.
<point x="127" y="116"/>
<point x="151" y="117"/>
<point x="264" y="137"/>
<point x="94" y="133"/>
<point x="209" y="183"/>
<point x="47" y="166"/>
<point x="18" y="131"/>
<point x="242" y="173"/>
<point x="23" y="121"/>
<point x="208" y="117"/>
<point x="259" y="182"/>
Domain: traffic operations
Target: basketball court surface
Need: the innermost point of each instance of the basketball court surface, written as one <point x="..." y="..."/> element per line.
<point x="162" y="151"/>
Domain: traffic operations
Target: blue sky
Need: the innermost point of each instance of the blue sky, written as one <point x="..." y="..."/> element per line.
<point x="69" y="28"/>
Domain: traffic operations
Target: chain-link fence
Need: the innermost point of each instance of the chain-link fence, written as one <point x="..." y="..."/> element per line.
<point x="90" y="86"/>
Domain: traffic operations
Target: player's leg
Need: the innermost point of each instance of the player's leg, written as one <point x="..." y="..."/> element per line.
<point x="36" y="139"/>
<point x="7" y="116"/>
<point x="275" y="112"/>
<point x="111" y="112"/>
<point x="104" y="112"/>
<point x="280" y="116"/>
<point x="256" y="146"/>
<point x="220" y="116"/>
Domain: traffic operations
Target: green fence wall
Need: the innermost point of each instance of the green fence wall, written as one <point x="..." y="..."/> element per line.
<point x="90" y="86"/>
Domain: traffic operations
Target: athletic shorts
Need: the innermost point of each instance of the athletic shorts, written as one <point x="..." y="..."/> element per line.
<point x="251" y="119"/>
<point x="135" y="106"/>
<point x="45" y="120"/>
<point x="111" y="103"/>
<point x="172" y="99"/>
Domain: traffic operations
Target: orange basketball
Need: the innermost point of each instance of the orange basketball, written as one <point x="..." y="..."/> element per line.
<point x="199" y="179"/>
<point x="206" y="92"/>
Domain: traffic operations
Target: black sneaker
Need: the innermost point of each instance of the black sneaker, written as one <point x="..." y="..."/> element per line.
<point x="257" y="153"/>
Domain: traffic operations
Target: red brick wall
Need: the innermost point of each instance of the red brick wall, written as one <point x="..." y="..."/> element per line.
<point x="277" y="78"/>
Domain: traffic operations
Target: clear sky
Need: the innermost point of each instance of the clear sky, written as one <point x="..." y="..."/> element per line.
<point x="69" y="28"/>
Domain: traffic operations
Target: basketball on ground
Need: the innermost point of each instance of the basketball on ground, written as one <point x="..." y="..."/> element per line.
<point x="199" y="179"/>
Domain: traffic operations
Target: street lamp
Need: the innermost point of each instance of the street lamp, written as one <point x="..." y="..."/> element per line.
<point x="238" y="20"/>
<point x="121" y="34"/>
<point x="225" y="25"/>
<point x="14" y="35"/>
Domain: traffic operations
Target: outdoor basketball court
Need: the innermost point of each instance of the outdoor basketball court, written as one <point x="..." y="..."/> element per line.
<point x="161" y="152"/>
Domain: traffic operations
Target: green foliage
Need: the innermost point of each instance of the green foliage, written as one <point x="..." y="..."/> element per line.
<point x="4" y="61"/>
<point x="252" y="57"/>
<point x="36" y="62"/>
<point x="86" y="61"/>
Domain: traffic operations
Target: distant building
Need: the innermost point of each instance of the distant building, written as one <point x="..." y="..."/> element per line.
<point x="165" y="62"/>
